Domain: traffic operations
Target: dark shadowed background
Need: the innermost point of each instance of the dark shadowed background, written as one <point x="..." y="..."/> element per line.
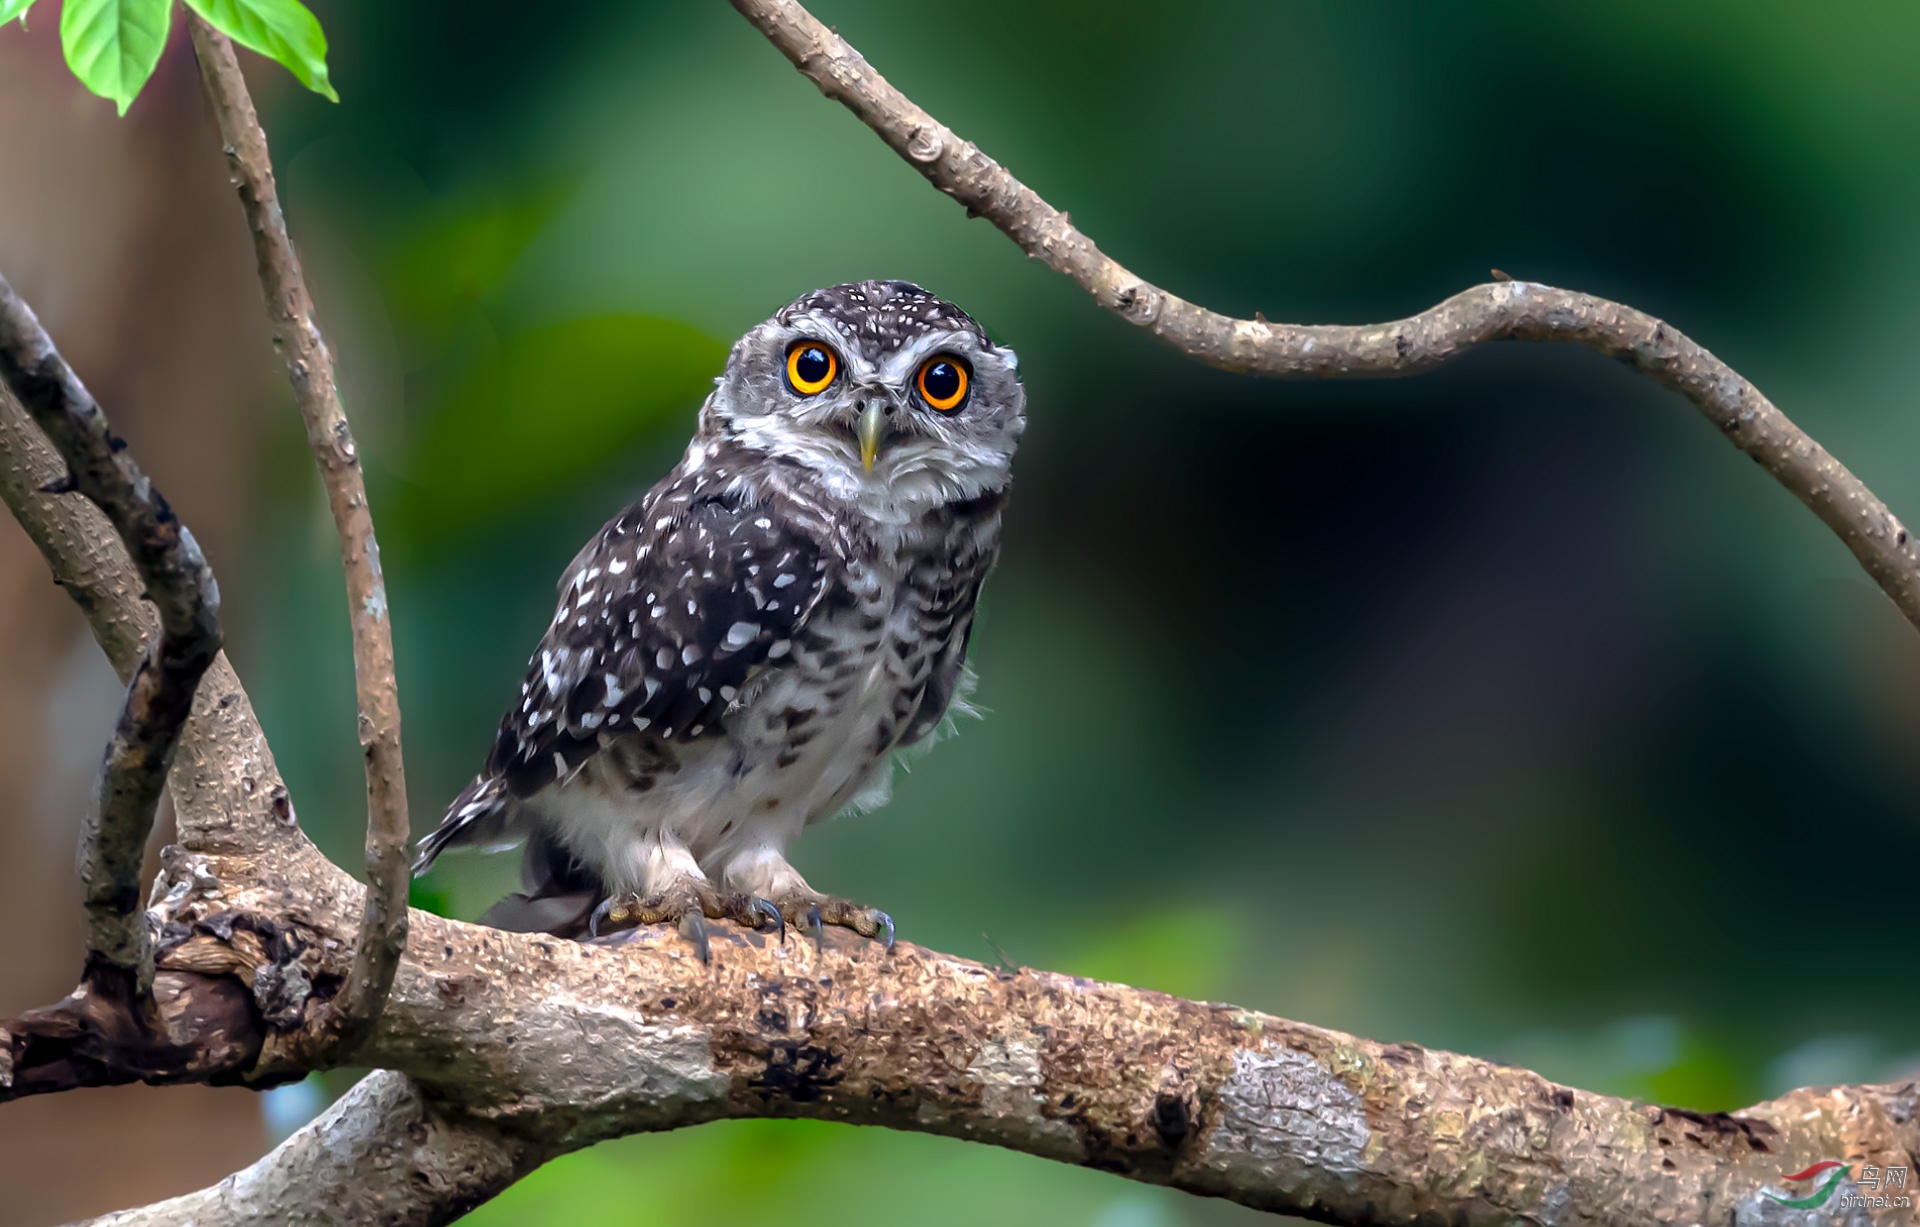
<point x="1505" y="709"/>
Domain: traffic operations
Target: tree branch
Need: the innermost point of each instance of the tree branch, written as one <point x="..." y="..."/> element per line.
<point x="383" y="929"/>
<point x="178" y="582"/>
<point x="1500" y="311"/>
<point x="394" y="1156"/>
<point x="557" y="1045"/>
<point x="190" y="1027"/>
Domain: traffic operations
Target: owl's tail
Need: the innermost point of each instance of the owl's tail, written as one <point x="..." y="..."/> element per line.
<point x="560" y="894"/>
<point x="482" y="814"/>
<point x="560" y="891"/>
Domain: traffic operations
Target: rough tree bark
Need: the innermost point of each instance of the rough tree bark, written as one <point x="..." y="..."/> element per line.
<point x="181" y="587"/>
<point x="498" y="1051"/>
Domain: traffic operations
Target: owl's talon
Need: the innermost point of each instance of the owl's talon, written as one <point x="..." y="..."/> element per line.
<point x="688" y="906"/>
<point x="599" y="916"/>
<point x="813" y="913"/>
<point x="693" y="927"/>
<point x="765" y="907"/>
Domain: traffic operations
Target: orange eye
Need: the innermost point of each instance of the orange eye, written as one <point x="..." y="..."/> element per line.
<point x="943" y="382"/>
<point x="811" y="366"/>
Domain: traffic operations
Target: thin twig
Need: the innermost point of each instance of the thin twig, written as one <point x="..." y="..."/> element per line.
<point x="383" y="930"/>
<point x="1505" y="310"/>
<point x="160" y="696"/>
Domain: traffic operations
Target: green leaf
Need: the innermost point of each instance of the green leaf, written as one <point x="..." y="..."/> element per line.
<point x="9" y="9"/>
<point x="281" y="30"/>
<point x="112" y="45"/>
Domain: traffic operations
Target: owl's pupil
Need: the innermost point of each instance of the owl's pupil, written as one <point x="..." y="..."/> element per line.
<point x="942" y="381"/>
<point x="812" y="365"/>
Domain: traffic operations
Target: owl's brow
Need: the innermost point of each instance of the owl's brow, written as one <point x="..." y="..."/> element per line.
<point x="868" y="357"/>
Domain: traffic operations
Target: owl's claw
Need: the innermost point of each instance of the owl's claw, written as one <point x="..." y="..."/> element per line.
<point x="693" y="927"/>
<point x="599" y="916"/>
<point x="813" y="913"/>
<point x="766" y="909"/>
<point x="687" y="906"/>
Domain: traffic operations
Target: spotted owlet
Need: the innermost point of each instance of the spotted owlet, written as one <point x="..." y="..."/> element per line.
<point x="742" y="651"/>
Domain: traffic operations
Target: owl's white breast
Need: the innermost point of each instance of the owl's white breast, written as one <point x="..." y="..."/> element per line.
<point x="808" y="739"/>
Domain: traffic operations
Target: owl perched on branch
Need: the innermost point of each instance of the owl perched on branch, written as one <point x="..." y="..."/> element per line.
<point x="741" y="652"/>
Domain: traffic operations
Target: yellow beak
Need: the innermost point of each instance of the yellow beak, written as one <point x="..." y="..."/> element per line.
<point x="871" y="429"/>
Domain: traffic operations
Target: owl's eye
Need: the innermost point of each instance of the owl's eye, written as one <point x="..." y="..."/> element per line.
<point x="943" y="382"/>
<point x="811" y="366"/>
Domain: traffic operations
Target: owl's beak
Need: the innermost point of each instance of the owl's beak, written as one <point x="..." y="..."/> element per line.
<point x="870" y="430"/>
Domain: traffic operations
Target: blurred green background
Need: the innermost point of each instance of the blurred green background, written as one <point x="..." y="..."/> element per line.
<point x="1506" y="710"/>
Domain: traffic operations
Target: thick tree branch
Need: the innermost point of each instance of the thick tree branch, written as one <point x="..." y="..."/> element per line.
<point x="383" y="930"/>
<point x="181" y="587"/>
<point x="557" y="1045"/>
<point x="385" y="1153"/>
<point x="1501" y="311"/>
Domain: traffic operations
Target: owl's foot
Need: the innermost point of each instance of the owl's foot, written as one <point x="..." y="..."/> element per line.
<point x="812" y="912"/>
<point x="688" y="905"/>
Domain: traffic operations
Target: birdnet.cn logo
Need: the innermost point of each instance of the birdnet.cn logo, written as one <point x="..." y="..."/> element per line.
<point x="1876" y="1188"/>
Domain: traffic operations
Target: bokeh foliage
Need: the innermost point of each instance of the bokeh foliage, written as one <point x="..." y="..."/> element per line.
<point x="1507" y="709"/>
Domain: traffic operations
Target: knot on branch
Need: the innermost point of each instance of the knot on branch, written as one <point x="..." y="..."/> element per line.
<point x="926" y="144"/>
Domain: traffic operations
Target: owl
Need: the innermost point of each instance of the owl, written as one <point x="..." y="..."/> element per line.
<point x="743" y="651"/>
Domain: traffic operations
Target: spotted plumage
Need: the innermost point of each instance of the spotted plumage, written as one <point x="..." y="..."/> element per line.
<point x="743" y="650"/>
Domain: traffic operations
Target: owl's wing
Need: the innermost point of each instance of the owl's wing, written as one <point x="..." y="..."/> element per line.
<point x="664" y="617"/>
<point x="660" y="625"/>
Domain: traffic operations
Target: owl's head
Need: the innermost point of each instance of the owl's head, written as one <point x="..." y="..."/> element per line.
<point x="889" y="395"/>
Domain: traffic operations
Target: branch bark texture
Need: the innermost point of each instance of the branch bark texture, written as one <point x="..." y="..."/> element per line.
<point x="384" y="1153"/>
<point x="181" y="587"/>
<point x="383" y="931"/>
<point x="1498" y="311"/>
<point x="533" y="1047"/>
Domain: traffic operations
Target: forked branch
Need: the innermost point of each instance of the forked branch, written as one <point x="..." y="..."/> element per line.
<point x="160" y="695"/>
<point x="383" y="929"/>
<point x="1499" y="311"/>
